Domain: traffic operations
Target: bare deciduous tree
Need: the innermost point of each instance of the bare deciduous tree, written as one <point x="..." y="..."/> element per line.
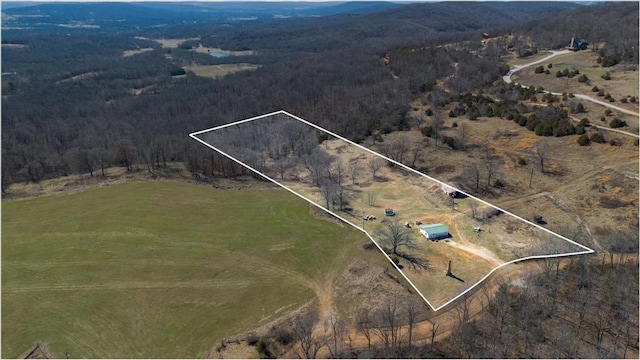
<point x="436" y="124"/>
<point x="396" y="148"/>
<point x="83" y="160"/>
<point x="434" y="331"/>
<point x="462" y="131"/>
<point x="282" y="165"/>
<point x="489" y="161"/>
<point x="541" y="152"/>
<point x="417" y="149"/>
<point x="338" y="330"/>
<point x="388" y="326"/>
<point x="473" y="206"/>
<point x="304" y="327"/>
<point x="374" y="165"/>
<point x="500" y="306"/>
<point x="364" y="324"/>
<point x="317" y="163"/>
<point x="328" y="191"/>
<point x="412" y="309"/>
<point x="354" y="169"/>
<point x="463" y="310"/>
<point x="396" y="236"/>
<point x="124" y="153"/>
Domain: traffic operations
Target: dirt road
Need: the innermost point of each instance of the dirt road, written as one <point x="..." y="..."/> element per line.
<point x="554" y="53"/>
<point x="516" y="68"/>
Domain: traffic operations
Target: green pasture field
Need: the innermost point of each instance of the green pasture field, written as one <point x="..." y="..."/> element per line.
<point x="159" y="269"/>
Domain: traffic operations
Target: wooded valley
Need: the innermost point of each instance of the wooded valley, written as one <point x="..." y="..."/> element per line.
<point x="72" y="102"/>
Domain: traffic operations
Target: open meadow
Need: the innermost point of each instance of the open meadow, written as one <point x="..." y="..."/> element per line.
<point x="216" y="71"/>
<point x="159" y="269"/>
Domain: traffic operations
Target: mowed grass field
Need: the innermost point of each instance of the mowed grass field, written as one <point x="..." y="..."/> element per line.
<point x="159" y="269"/>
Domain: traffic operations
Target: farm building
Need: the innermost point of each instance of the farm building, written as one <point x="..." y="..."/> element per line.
<point x="577" y="44"/>
<point x="451" y="191"/>
<point x="435" y="231"/>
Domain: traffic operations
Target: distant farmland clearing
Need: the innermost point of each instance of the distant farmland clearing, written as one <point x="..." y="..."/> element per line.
<point x="216" y="71"/>
<point x="159" y="269"/>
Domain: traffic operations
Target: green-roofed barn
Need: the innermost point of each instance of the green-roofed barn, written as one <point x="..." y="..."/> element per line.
<point x="435" y="231"/>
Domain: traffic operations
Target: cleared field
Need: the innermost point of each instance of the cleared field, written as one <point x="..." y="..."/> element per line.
<point x="216" y="71"/>
<point x="78" y="77"/>
<point x="172" y="43"/>
<point x="334" y="173"/>
<point x="569" y="195"/>
<point x="14" y="46"/>
<point x="159" y="269"/>
<point x="208" y="50"/>
<point x="128" y="53"/>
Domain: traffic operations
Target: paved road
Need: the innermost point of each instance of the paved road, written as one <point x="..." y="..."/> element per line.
<point x="507" y="79"/>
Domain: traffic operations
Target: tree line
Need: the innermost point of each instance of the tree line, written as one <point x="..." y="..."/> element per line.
<point x="73" y="104"/>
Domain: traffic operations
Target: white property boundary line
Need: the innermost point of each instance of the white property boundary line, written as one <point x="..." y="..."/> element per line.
<point x="282" y="112"/>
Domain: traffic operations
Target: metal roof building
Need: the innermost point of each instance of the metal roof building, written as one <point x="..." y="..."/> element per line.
<point x="435" y="231"/>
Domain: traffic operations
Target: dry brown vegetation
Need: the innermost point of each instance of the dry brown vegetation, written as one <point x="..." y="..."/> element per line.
<point x="135" y="52"/>
<point x="206" y="50"/>
<point x="567" y="194"/>
<point x="172" y="43"/>
<point x="216" y="71"/>
<point x="623" y="83"/>
<point x="342" y="178"/>
<point x="14" y="46"/>
<point x="78" y="77"/>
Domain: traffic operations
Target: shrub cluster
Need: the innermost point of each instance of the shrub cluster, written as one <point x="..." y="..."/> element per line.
<point x="597" y="138"/>
<point x="583" y="140"/>
<point x="609" y="60"/>
<point x="427" y="131"/>
<point x="272" y="343"/>
<point x="568" y="73"/>
<point x="617" y="123"/>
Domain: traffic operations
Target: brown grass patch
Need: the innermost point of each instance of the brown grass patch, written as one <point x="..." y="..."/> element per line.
<point x="14" y="46"/>
<point x="613" y="203"/>
<point x="172" y="43"/>
<point x="127" y="53"/>
<point x="216" y="71"/>
<point x="207" y="50"/>
<point x="78" y="77"/>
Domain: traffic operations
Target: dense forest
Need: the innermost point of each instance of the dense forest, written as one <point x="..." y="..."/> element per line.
<point x="73" y="103"/>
